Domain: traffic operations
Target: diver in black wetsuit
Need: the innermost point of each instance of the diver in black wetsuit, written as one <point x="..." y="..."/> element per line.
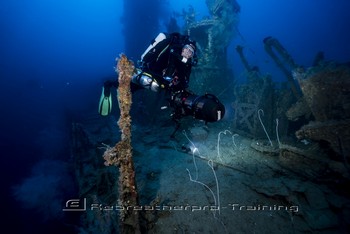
<point x="166" y="65"/>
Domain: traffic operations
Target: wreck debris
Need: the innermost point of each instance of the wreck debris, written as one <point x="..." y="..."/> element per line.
<point x="94" y="179"/>
<point x="269" y="44"/>
<point x="324" y="103"/>
<point x="335" y="132"/>
<point x="121" y="154"/>
<point x="260" y="92"/>
<point x="264" y="147"/>
<point x="298" y="110"/>
<point x="321" y="93"/>
<point x="324" y="96"/>
<point x="213" y="36"/>
<point x="326" y="91"/>
<point x="319" y="58"/>
<point x="257" y="94"/>
<point x="239" y="50"/>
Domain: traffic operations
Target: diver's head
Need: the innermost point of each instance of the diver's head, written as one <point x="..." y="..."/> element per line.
<point x="188" y="50"/>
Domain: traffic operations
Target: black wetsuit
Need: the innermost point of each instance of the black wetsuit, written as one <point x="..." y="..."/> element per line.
<point x="165" y="61"/>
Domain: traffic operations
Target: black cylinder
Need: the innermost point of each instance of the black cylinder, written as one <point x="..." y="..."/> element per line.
<point x="206" y="107"/>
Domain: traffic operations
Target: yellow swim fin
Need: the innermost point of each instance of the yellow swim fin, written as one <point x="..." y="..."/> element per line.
<point x="105" y="105"/>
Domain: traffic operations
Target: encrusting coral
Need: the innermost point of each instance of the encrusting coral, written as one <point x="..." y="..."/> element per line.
<point x="121" y="154"/>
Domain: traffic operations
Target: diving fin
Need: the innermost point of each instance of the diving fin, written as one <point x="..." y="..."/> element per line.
<point x="105" y="105"/>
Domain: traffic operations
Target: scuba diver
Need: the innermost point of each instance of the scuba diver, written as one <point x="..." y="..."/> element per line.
<point x="166" y="65"/>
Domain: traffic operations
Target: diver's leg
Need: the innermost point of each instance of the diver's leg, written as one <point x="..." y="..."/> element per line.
<point x="108" y="85"/>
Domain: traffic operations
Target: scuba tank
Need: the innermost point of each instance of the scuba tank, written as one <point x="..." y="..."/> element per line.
<point x="159" y="38"/>
<point x="146" y="81"/>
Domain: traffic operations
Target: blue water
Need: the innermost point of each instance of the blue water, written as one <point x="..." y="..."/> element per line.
<point x="55" y="55"/>
<point x="302" y="27"/>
